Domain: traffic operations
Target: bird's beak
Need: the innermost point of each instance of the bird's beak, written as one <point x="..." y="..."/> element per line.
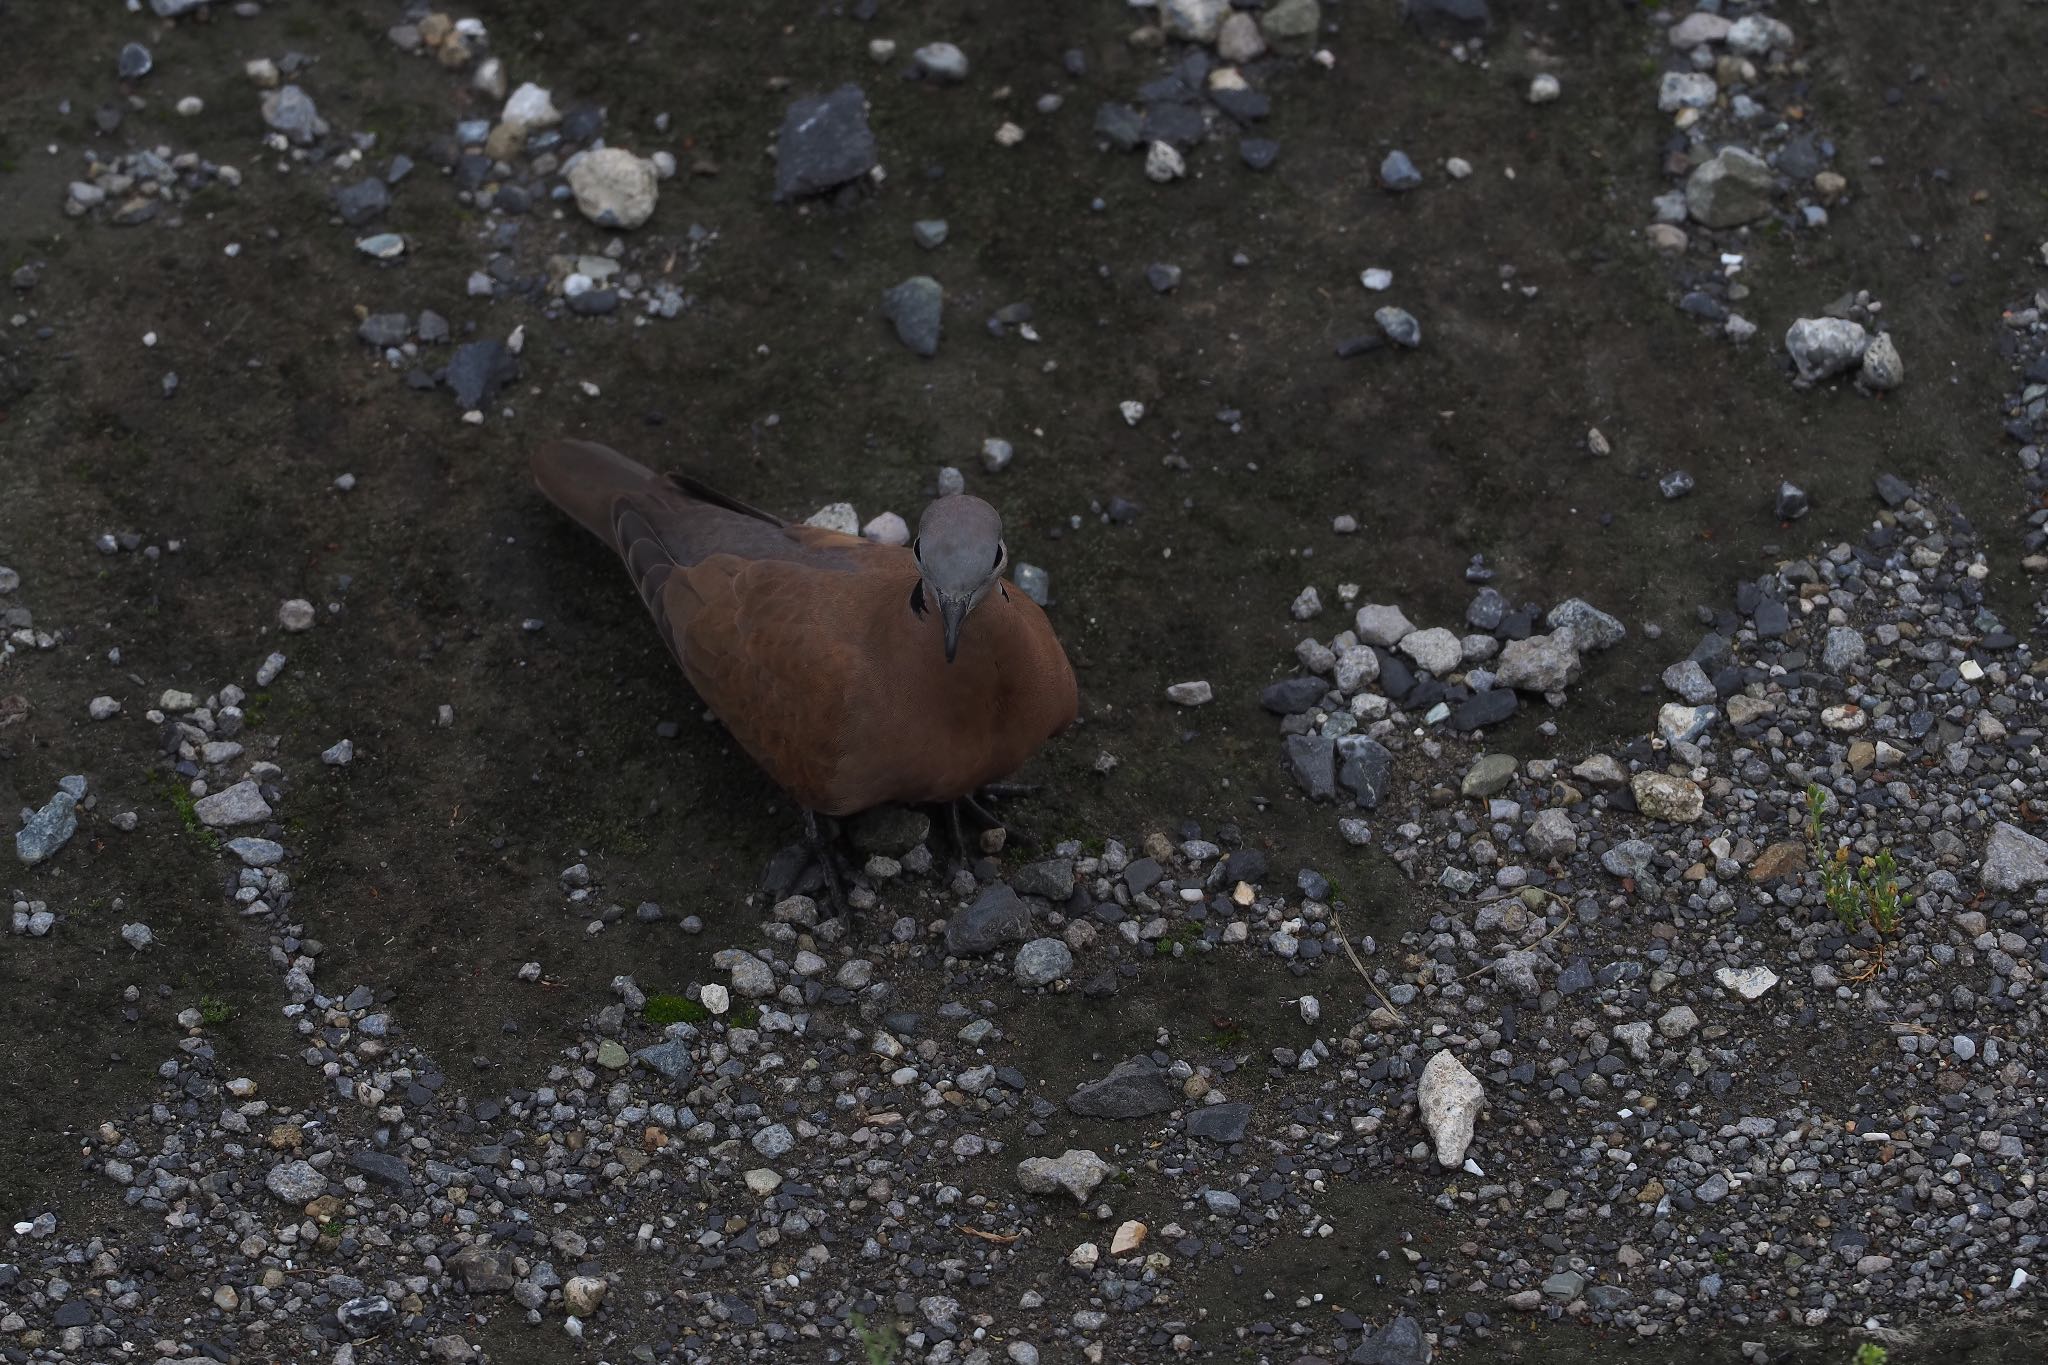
<point x="952" y="612"/>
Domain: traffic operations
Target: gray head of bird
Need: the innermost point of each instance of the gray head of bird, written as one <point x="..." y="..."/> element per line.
<point x="960" y="556"/>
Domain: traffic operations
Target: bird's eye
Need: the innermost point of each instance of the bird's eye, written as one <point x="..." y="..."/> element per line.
<point x="999" y="556"/>
<point x="917" y="549"/>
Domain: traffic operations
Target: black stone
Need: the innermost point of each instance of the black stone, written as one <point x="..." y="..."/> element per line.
<point x="1293" y="696"/>
<point x="995" y="918"/>
<point x="1219" y="1122"/>
<point x="1366" y="766"/>
<point x="1135" y="1089"/>
<point x="1246" y="106"/>
<point x="1245" y="865"/>
<point x="1313" y="759"/>
<point x="1485" y="708"/>
<point x="382" y="1166"/>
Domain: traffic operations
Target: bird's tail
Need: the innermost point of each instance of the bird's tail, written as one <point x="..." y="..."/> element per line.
<point x="585" y="479"/>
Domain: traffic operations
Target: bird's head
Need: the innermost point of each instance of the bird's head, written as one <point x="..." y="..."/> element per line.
<point x="960" y="556"/>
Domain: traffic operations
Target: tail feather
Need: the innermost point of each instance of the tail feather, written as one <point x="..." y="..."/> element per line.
<point x="585" y="479"/>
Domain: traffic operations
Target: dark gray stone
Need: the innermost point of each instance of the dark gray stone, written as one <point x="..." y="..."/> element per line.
<point x="671" y="1058"/>
<point x="1051" y="878"/>
<point x="1400" y="1342"/>
<point x="1219" y="1122"/>
<point x="1293" y="696"/>
<point x="362" y="202"/>
<point x="1121" y="124"/>
<point x="1312" y="759"/>
<point x="997" y="917"/>
<point x="383" y="1166"/>
<point x="1485" y="708"/>
<point x="384" y="329"/>
<point x="1259" y="153"/>
<point x="1366" y="766"/>
<point x="915" y="308"/>
<point x="824" y="143"/>
<point x="1135" y="1089"/>
<point x="479" y="369"/>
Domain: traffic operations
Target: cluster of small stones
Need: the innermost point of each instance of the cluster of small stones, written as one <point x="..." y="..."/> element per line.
<point x="1219" y="58"/>
<point x="2025" y="412"/>
<point x="18" y="630"/>
<point x="1745" y="149"/>
<point x="1370" y="691"/>
<point x="1621" y="916"/>
<point x="133" y="188"/>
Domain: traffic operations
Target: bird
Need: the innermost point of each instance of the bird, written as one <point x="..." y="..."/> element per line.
<point x="855" y="674"/>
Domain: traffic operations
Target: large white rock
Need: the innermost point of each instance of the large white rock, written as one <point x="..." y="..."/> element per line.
<point x="1450" y="1098"/>
<point x="614" y="188"/>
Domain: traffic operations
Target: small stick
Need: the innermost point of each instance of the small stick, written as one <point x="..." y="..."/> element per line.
<point x="1337" y="921"/>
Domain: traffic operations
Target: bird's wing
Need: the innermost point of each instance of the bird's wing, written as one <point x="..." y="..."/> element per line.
<point x="774" y="652"/>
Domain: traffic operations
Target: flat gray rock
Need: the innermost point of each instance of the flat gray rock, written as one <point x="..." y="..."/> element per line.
<point x="2013" y="859"/>
<point x="824" y="143"/>
<point x="1135" y="1089"/>
<point x="1219" y="1122"/>
<point x="47" y="830"/>
<point x="241" y="804"/>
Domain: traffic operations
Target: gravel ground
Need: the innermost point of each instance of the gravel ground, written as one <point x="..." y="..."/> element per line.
<point x="1547" y="1043"/>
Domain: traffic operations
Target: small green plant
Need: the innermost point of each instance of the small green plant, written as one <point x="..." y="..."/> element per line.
<point x="215" y="1010"/>
<point x="185" y="804"/>
<point x="1859" y="894"/>
<point x="879" y="1343"/>
<point x="1870" y="1353"/>
<point x="663" y="1010"/>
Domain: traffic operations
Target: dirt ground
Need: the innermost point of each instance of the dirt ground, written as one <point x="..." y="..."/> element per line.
<point x="434" y="856"/>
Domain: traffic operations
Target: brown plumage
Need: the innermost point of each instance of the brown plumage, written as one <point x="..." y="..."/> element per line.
<point x="825" y="655"/>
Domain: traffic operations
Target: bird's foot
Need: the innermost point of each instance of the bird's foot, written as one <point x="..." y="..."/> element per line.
<point x="820" y="842"/>
<point x="990" y="821"/>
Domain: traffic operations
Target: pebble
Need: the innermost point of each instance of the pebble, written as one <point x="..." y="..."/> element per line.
<point x="1824" y="347"/>
<point x="1544" y="88"/>
<point x="1731" y="188"/>
<point x="291" y="111"/>
<point x="1399" y="325"/>
<point x="614" y="188"/>
<point x="1042" y="962"/>
<point x="914" y="308"/>
<point x="1398" y="173"/>
<point x="1164" y="163"/>
<point x="1197" y="693"/>
<point x="941" y="62"/>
